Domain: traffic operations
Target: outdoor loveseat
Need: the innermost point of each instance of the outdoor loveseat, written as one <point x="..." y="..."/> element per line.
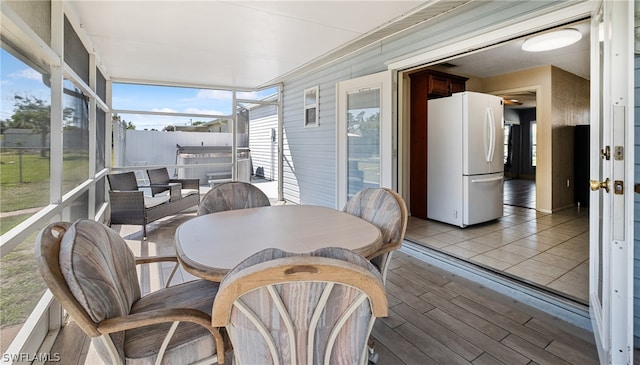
<point x="130" y="205"/>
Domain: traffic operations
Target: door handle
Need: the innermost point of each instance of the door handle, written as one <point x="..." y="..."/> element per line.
<point x="597" y="185"/>
<point x="492" y="179"/>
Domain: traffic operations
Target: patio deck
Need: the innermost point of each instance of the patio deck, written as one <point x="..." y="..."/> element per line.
<point x="435" y="317"/>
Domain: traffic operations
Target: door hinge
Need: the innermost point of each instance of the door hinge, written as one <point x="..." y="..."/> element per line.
<point x="605" y="154"/>
<point x="618" y="153"/>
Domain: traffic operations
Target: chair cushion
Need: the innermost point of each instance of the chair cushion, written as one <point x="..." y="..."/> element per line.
<point x="152" y="201"/>
<point x="191" y="342"/>
<point x="187" y="192"/>
<point x="232" y="195"/>
<point x="381" y="209"/>
<point x="99" y="269"/>
<point x="183" y="192"/>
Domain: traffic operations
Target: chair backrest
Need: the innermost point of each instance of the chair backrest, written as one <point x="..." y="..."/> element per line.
<point x="158" y="176"/>
<point x="125" y="181"/>
<point x="385" y="209"/>
<point x="315" y="308"/>
<point x="91" y="271"/>
<point x="232" y="195"/>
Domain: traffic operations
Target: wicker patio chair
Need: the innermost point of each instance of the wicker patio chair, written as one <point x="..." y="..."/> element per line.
<point x="129" y="204"/>
<point x="315" y="308"/>
<point x="232" y="195"/>
<point x="161" y="184"/>
<point x="92" y="273"/>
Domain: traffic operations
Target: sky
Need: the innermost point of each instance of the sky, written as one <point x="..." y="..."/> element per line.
<point x="17" y="78"/>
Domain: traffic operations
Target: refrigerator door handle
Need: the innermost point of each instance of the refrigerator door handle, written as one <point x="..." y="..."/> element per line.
<point x="490" y="123"/>
<point x="491" y="179"/>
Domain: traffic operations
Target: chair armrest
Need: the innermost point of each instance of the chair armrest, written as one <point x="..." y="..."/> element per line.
<point x="173" y="187"/>
<point x="141" y="260"/>
<point x="137" y="320"/>
<point x="156" y="316"/>
<point x="155" y="259"/>
<point x="188" y="183"/>
<point x="386" y="249"/>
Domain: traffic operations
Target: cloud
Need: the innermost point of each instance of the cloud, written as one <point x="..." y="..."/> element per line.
<point x="27" y="73"/>
<point x="164" y="110"/>
<point x="214" y="94"/>
<point x="193" y="110"/>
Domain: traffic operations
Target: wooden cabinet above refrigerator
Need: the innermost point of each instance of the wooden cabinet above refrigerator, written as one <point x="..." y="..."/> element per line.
<point x="425" y="85"/>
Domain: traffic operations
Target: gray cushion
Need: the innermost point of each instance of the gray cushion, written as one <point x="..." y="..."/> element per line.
<point x="102" y="276"/>
<point x="190" y="343"/>
<point x="381" y="209"/>
<point x="231" y="196"/>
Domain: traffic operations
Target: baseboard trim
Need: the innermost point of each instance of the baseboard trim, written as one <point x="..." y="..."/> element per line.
<point x="567" y="310"/>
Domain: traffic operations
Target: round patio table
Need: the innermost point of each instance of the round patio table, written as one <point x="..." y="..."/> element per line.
<point x="208" y="246"/>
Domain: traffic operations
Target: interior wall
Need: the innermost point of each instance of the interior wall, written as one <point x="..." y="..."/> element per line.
<point x="562" y="102"/>
<point x="538" y="79"/>
<point x="570" y="107"/>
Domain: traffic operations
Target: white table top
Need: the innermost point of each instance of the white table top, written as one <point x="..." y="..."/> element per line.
<point x="209" y="246"/>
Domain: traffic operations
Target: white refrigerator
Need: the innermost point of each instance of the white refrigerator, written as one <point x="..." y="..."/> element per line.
<point x="465" y="169"/>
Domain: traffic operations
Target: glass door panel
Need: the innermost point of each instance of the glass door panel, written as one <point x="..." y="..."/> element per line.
<point x="363" y="140"/>
<point x="365" y="150"/>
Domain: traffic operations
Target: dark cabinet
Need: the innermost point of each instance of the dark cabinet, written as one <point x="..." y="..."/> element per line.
<point x="581" y="154"/>
<point x="425" y="85"/>
<point x="442" y="84"/>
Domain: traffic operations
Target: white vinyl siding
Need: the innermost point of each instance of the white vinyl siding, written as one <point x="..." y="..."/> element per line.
<point x="263" y="142"/>
<point x="636" y="254"/>
<point x="310" y="178"/>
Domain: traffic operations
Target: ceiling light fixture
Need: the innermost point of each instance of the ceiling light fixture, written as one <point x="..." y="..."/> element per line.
<point x="552" y="40"/>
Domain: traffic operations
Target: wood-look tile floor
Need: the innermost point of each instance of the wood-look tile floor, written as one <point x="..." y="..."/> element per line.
<point x="435" y="317"/>
<point x="520" y="193"/>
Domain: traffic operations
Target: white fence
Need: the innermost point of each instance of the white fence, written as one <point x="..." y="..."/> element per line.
<point x="161" y="148"/>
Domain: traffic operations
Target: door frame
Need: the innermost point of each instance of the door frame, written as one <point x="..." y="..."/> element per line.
<point x="457" y="47"/>
<point x="611" y="215"/>
<point x="383" y="81"/>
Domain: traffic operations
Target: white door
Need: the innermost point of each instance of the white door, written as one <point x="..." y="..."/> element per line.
<point x="611" y="173"/>
<point x="364" y="135"/>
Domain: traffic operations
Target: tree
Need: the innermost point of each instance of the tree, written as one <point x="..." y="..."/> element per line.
<point x="31" y="113"/>
<point x="124" y="123"/>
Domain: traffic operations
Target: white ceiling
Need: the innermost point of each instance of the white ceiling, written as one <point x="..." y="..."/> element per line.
<point x="224" y="43"/>
<point x="509" y="57"/>
<point x="251" y="43"/>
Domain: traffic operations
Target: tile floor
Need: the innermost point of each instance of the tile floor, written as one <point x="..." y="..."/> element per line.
<point x="520" y="193"/>
<point x="547" y="250"/>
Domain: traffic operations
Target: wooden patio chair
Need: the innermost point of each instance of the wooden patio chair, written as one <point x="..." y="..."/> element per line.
<point x="385" y="209"/>
<point x="232" y="195"/>
<point x="315" y="308"/>
<point x="92" y="273"/>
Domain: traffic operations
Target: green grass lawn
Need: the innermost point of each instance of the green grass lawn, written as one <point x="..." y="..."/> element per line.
<point x="30" y="188"/>
<point x="33" y="190"/>
<point x="20" y="283"/>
